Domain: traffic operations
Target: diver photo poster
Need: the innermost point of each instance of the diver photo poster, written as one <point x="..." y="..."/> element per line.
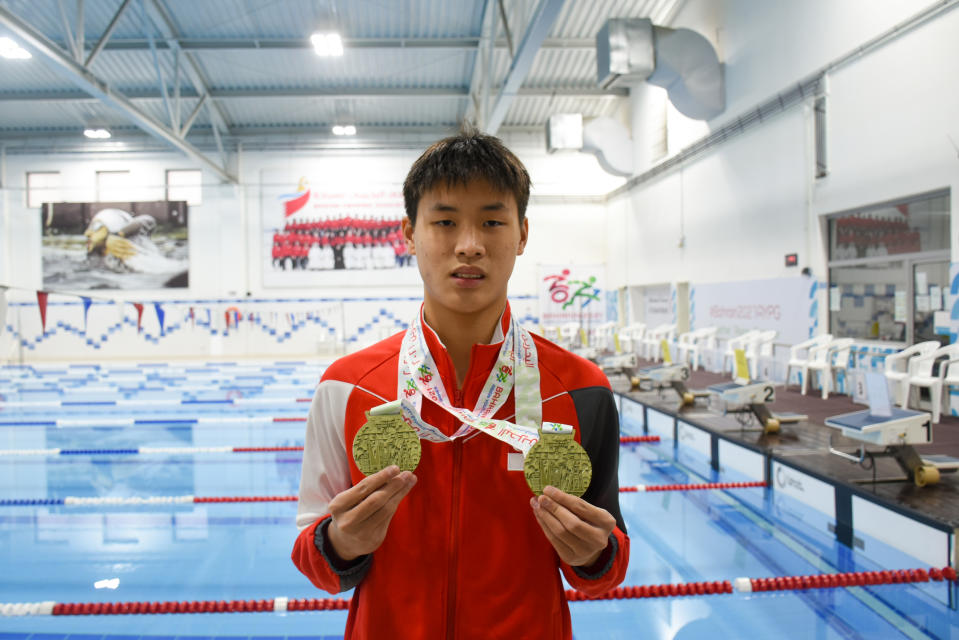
<point x="115" y="245"/>
<point x="319" y="233"/>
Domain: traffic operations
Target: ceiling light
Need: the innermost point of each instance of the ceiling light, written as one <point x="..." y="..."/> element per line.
<point x="344" y="130"/>
<point x="327" y="44"/>
<point x="13" y="51"/>
<point x="99" y="134"/>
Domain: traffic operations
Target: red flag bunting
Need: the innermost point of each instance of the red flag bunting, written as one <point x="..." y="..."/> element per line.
<point x="139" y="308"/>
<point x="42" y="302"/>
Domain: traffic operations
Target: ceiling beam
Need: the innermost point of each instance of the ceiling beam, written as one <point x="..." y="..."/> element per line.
<point x="64" y="64"/>
<point x="540" y="22"/>
<point x="346" y="92"/>
<point x="266" y="44"/>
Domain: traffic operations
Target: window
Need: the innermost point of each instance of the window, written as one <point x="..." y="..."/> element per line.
<point x="42" y="186"/>
<point x="114" y="186"/>
<point x="185" y="184"/>
<point x="889" y="269"/>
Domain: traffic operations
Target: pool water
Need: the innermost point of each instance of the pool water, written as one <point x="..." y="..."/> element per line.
<point x="240" y="551"/>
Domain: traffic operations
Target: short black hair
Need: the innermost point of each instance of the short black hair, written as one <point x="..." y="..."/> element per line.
<point x="461" y="159"/>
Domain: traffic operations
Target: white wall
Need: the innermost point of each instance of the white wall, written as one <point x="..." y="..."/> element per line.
<point x="733" y="213"/>
<point x="567" y="223"/>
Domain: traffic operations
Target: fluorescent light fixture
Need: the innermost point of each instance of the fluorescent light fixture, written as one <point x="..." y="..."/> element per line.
<point x="344" y="130"/>
<point x="97" y="134"/>
<point x="11" y="50"/>
<point x="327" y="44"/>
<point x="112" y="583"/>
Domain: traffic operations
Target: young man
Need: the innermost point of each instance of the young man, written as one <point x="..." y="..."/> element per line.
<point x="461" y="547"/>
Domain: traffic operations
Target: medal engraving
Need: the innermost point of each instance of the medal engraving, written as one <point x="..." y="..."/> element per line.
<point x="385" y="440"/>
<point x="558" y="460"/>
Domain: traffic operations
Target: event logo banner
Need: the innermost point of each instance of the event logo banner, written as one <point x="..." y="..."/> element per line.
<point x="572" y="293"/>
<point x="782" y="304"/>
<point x="333" y="234"/>
<point x="115" y="245"/>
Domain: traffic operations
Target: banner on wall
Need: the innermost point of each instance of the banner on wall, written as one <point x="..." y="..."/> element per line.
<point x="782" y="304"/>
<point x="658" y="305"/>
<point x="320" y="233"/>
<point x="115" y="245"/>
<point x="572" y="293"/>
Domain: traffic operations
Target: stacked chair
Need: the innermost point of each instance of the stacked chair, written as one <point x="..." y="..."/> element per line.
<point x="798" y="360"/>
<point x="900" y="366"/>
<point x="652" y="343"/>
<point x="692" y="343"/>
<point x="921" y="376"/>
<point x="825" y="360"/>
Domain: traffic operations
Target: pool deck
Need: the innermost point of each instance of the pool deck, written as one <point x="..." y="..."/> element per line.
<point x="805" y="445"/>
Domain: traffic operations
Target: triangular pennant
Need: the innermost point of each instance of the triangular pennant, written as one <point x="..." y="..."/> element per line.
<point x="42" y="303"/>
<point x="139" y="308"/>
<point x="192" y="318"/>
<point x="226" y="316"/>
<point x="160" y="314"/>
<point x="86" y="308"/>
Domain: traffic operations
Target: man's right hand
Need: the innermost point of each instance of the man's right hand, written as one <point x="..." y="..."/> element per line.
<point x="361" y="514"/>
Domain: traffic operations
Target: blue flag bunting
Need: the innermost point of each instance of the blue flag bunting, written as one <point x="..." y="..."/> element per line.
<point x="86" y="308"/>
<point x="159" y="310"/>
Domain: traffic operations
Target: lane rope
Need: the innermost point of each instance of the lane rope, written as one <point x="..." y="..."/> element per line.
<point x="72" y="501"/>
<point x="195" y="450"/>
<point x="281" y="605"/>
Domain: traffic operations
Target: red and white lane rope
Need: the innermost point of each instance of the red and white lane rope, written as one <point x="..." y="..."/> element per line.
<point x="691" y="487"/>
<point x="201" y="450"/>
<point x="280" y="605"/>
<point x="114" y="501"/>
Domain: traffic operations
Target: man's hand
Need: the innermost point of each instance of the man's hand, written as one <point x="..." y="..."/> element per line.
<point x="362" y="513"/>
<point x="577" y="530"/>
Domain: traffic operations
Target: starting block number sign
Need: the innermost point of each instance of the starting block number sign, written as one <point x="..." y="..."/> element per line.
<point x="742" y="366"/>
<point x="664" y="345"/>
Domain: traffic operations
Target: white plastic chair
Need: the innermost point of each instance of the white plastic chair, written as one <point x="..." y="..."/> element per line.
<point x="921" y="376"/>
<point x="601" y="337"/>
<point x="796" y="361"/>
<point x="825" y="360"/>
<point x="652" y="343"/>
<point x="692" y="344"/>
<point x="739" y="342"/>
<point x="631" y="337"/>
<point x="761" y="346"/>
<point x="898" y="366"/>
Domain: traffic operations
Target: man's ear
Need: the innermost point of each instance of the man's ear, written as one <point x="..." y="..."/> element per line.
<point x="407" y="228"/>
<point x="523" y="235"/>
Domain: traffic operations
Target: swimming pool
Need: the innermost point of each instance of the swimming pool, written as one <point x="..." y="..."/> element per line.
<point x="240" y="551"/>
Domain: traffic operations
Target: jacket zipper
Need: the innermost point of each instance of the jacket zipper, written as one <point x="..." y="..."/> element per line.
<point x="451" y="591"/>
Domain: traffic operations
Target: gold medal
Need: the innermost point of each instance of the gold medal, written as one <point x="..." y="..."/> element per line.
<point x="385" y="440"/>
<point x="557" y="460"/>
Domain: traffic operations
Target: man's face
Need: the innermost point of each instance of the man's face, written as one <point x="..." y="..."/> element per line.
<point x="466" y="240"/>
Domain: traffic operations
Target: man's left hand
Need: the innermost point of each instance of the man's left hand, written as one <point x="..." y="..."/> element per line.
<point x="577" y="530"/>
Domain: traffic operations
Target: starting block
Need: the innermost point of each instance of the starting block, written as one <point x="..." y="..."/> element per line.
<point x="895" y="429"/>
<point x="897" y="434"/>
<point x="674" y="376"/>
<point x="744" y="395"/>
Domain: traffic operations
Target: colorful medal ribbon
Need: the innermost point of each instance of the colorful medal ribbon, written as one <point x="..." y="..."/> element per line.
<point x="516" y="366"/>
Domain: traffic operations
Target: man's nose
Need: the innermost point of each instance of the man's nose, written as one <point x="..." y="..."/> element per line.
<point x="469" y="242"/>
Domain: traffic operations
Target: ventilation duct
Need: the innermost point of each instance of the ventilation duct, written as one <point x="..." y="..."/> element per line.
<point x="604" y="137"/>
<point x="631" y="50"/>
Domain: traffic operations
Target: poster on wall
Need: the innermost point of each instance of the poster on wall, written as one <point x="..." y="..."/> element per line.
<point x="318" y="233"/>
<point x="115" y="245"/>
<point x="572" y="294"/>
<point x="658" y="306"/>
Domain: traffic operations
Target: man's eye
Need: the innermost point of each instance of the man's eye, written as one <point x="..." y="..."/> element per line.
<point x="444" y="223"/>
<point x="494" y="223"/>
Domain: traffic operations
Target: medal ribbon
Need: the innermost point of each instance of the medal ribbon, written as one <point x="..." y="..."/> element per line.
<point x="516" y="367"/>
